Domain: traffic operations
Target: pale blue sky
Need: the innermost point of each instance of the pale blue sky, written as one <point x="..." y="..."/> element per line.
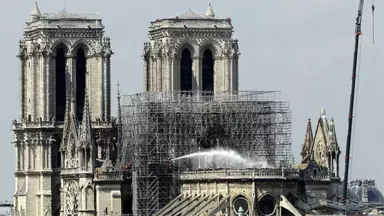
<point x="303" y="48"/>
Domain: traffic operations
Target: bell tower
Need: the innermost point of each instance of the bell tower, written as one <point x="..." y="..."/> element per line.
<point x="58" y="51"/>
<point x="191" y="51"/>
<point x="65" y="67"/>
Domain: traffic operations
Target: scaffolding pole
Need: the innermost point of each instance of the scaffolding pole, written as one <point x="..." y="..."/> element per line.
<point x="160" y="126"/>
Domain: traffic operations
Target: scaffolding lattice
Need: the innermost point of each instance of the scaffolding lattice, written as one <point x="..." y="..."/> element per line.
<point x="161" y="126"/>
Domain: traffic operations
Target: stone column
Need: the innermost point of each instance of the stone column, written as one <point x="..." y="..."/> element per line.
<point x="27" y="154"/>
<point x="31" y="88"/>
<point x="17" y="156"/>
<point x="47" y="88"/>
<point x="42" y="87"/>
<point x="108" y="88"/>
<point x="227" y="76"/>
<point x="145" y="74"/>
<point x="105" y="87"/>
<point x="150" y="73"/>
<point x="230" y="75"/>
<point x="98" y="208"/>
<point x="52" y="88"/>
<point x="49" y="164"/>
<point x="221" y="75"/>
<point x="34" y="153"/>
<point x="197" y="73"/>
<point x="22" y="154"/>
<point x="159" y="73"/>
<point x="166" y="73"/>
<point x="42" y="152"/>
<point x="102" y="62"/>
<point x="22" y="86"/>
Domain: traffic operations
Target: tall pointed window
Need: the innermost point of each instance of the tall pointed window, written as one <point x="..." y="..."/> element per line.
<point x="186" y="71"/>
<point x="80" y="83"/>
<point x="208" y="66"/>
<point x="60" y="84"/>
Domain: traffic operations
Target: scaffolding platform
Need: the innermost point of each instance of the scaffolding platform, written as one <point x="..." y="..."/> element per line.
<point x="160" y="126"/>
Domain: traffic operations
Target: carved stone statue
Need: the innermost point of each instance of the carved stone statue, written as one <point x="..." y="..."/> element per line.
<point x="71" y="198"/>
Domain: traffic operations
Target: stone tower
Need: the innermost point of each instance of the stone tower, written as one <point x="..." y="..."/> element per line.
<point x="191" y="52"/>
<point x="65" y="131"/>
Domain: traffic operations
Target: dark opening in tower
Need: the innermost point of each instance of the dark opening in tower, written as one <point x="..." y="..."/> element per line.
<point x="186" y="71"/>
<point x="208" y="66"/>
<point x="80" y="83"/>
<point x="60" y="84"/>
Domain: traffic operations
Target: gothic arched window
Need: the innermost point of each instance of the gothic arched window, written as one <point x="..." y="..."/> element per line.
<point x="186" y="71"/>
<point x="208" y="70"/>
<point x="81" y="69"/>
<point x="60" y="84"/>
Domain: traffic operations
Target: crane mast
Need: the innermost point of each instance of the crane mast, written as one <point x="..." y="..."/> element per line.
<point x="352" y="99"/>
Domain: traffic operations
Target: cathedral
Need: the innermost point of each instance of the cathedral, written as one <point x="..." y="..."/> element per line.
<point x="70" y="157"/>
<point x="66" y="141"/>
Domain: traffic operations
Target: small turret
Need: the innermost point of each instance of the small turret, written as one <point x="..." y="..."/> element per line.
<point x="333" y="149"/>
<point x="307" y="150"/>
<point x="209" y="11"/>
<point x="35" y="15"/>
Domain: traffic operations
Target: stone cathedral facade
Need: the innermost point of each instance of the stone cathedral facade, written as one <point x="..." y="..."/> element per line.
<point x="191" y="52"/>
<point x="65" y="138"/>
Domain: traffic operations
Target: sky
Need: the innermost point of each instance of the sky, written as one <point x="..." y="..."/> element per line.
<point x="303" y="48"/>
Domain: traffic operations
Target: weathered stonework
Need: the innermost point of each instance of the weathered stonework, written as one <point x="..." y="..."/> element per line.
<point x="216" y="192"/>
<point x="56" y="160"/>
<point x="37" y="53"/>
<point x="197" y="33"/>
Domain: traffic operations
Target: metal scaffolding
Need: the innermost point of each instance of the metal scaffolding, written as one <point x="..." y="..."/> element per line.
<point x="161" y="126"/>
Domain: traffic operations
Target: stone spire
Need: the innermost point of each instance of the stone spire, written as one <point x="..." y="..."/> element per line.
<point x="118" y="103"/>
<point x="70" y="142"/>
<point x="307" y="150"/>
<point x="333" y="150"/>
<point x="70" y="122"/>
<point x="209" y="11"/>
<point x="85" y="135"/>
<point x="119" y="123"/>
<point x="35" y="15"/>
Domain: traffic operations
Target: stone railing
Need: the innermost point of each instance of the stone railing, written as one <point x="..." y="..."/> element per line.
<point x="191" y="23"/>
<point x="321" y="177"/>
<point x="33" y="124"/>
<point x="241" y="174"/>
<point x="112" y="176"/>
<point x="71" y="15"/>
<point x="53" y="124"/>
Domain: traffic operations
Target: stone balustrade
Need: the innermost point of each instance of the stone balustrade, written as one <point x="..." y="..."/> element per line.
<point x="109" y="176"/>
<point x="54" y="124"/>
<point x="241" y="174"/>
<point x="72" y="15"/>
